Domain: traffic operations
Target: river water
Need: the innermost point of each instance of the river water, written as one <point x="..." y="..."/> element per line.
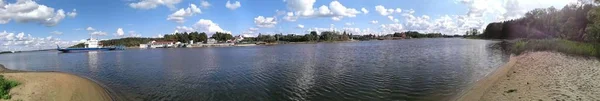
<point x="418" y="69"/>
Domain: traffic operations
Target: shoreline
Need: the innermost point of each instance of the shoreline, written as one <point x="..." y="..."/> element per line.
<point x="476" y="91"/>
<point x="539" y="76"/>
<point x="51" y="85"/>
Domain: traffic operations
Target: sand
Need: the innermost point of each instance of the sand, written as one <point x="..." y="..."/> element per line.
<point x="54" y="86"/>
<point x="540" y="76"/>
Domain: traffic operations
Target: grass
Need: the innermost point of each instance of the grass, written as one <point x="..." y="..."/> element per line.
<point x="559" y="45"/>
<point x="5" y="86"/>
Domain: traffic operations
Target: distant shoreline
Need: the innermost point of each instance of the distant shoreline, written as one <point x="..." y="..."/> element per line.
<point x="58" y="86"/>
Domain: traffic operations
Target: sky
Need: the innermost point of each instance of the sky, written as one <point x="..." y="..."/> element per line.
<point x="44" y="24"/>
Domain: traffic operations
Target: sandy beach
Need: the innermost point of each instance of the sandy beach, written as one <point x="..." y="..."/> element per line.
<point x="53" y="86"/>
<point x="540" y="76"/>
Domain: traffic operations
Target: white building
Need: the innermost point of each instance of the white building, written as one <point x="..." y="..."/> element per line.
<point x="211" y="41"/>
<point x="158" y="44"/>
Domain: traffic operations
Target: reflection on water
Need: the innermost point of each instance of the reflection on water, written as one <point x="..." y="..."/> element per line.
<point x="93" y="61"/>
<point x="422" y="69"/>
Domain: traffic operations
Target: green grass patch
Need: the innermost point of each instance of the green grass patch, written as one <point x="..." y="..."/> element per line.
<point x="5" y="86"/>
<point x="559" y="45"/>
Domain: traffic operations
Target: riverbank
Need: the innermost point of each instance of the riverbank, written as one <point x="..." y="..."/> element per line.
<point x="540" y="76"/>
<point x="53" y="86"/>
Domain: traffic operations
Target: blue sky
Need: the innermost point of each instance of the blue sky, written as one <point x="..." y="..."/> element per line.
<point x="46" y="23"/>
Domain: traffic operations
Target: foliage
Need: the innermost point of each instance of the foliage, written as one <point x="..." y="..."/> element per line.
<point x="186" y="37"/>
<point x="559" y="45"/>
<point x="219" y="36"/>
<point x="5" y="86"/>
<point x="571" y="23"/>
<point x="414" y="34"/>
<point x="79" y="45"/>
<point x="128" y="42"/>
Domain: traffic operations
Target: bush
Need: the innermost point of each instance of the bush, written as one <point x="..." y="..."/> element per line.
<point x="5" y="86"/>
<point x="559" y="45"/>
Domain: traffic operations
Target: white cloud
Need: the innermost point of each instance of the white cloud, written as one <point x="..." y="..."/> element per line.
<point x="393" y="19"/>
<point x="233" y="6"/>
<point x="349" y="23"/>
<point x="204" y="4"/>
<point x="374" y="22"/>
<point x="385" y="12"/>
<point x="265" y="22"/>
<point x="365" y="11"/>
<point x="300" y="26"/>
<point x="184" y="29"/>
<point x="253" y="29"/>
<point x="302" y="7"/>
<point x="180" y="15"/>
<point x="120" y="32"/>
<point x="208" y="26"/>
<point x="22" y="41"/>
<point x="72" y="14"/>
<point x="90" y="29"/>
<point x="290" y="17"/>
<point x="335" y="10"/>
<point x="134" y="34"/>
<point x="151" y="4"/>
<point x="56" y="33"/>
<point x="391" y="28"/>
<point x="98" y="33"/>
<point x="25" y="11"/>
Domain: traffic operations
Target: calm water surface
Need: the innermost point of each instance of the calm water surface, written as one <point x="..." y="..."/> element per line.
<point x="421" y="69"/>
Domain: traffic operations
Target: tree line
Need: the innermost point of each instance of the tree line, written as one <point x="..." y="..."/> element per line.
<point x="576" y="22"/>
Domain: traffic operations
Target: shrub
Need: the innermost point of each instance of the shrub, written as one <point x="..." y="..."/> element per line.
<point x="559" y="45"/>
<point x="5" y="86"/>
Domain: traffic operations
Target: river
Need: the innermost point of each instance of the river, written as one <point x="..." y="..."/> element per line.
<point x="416" y="69"/>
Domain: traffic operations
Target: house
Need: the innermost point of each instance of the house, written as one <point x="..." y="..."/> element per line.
<point x="238" y="38"/>
<point x="211" y="41"/>
<point x="158" y="44"/>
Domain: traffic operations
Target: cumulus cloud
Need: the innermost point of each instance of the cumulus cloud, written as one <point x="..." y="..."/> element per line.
<point x="349" y="23"/>
<point x="72" y="14"/>
<point x="385" y="12"/>
<point x="151" y="4"/>
<point x="374" y="22"/>
<point x="98" y="33"/>
<point x="300" y="26"/>
<point x="265" y="22"/>
<point x="253" y="29"/>
<point x="56" y="33"/>
<point x="365" y="11"/>
<point x="290" y="17"/>
<point x="233" y="6"/>
<point x="393" y="19"/>
<point x="180" y="15"/>
<point x="391" y="28"/>
<point x="184" y="29"/>
<point x="120" y="32"/>
<point x="134" y="34"/>
<point x="335" y="10"/>
<point x="24" y="11"/>
<point x="204" y="4"/>
<point x="22" y="41"/>
<point x="90" y="29"/>
<point x="208" y="26"/>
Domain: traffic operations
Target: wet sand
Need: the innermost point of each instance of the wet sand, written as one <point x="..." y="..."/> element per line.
<point x="53" y="86"/>
<point x="540" y="76"/>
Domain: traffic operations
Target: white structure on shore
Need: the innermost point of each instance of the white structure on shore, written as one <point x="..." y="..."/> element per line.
<point x="158" y="44"/>
<point x="211" y="41"/>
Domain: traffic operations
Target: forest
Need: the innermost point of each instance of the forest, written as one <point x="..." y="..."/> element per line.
<point x="572" y="22"/>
